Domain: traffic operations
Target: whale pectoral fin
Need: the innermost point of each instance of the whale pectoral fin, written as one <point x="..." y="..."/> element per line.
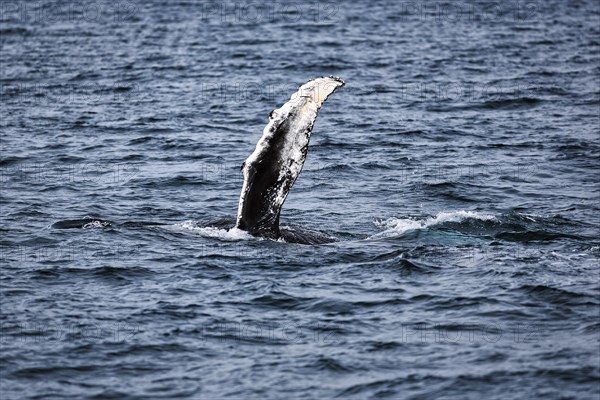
<point x="271" y="170"/>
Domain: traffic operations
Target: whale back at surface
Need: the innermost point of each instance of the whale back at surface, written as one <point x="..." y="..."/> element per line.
<point x="273" y="167"/>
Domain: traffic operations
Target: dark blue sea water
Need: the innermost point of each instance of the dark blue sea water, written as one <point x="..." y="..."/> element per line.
<point x="457" y="171"/>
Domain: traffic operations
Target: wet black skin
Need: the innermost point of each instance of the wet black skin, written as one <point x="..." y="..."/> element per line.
<point x="260" y="213"/>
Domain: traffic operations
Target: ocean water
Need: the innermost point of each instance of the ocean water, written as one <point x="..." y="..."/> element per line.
<point x="457" y="171"/>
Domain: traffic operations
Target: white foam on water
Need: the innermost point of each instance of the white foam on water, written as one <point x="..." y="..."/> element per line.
<point x="397" y="226"/>
<point x="96" y="224"/>
<point x="214" y="232"/>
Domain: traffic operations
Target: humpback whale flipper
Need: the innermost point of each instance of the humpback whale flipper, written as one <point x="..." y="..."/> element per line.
<point x="271" y="170"/>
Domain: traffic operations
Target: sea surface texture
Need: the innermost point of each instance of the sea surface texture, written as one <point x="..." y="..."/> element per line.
<point x="457" y="172"/>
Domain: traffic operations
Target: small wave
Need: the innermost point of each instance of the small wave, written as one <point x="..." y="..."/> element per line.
<point x="15" y="31"/>
<point x="521" y="103"/>
<point x="331" y="365"/>
<point x="397" y="226"/>
<point x="120" y="273"/>
<point x="557" y="296"/>
<point x="533" y="235"/>
<point x="231" y="234"/>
